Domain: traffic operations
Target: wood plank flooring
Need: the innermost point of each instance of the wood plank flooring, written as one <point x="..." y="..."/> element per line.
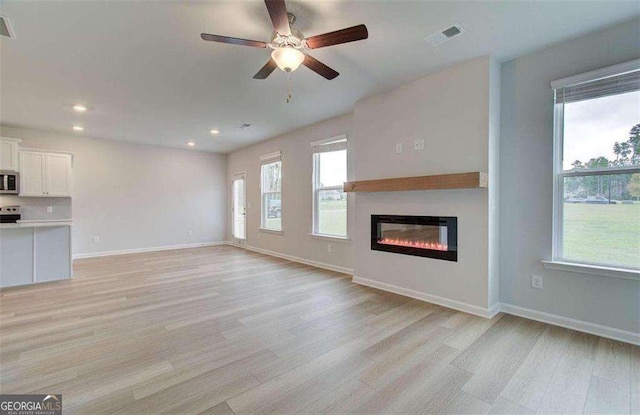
<point x="222" y="330"/>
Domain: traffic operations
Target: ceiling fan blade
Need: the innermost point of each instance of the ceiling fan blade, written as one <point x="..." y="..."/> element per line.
<point x="266" y="70"/>
<point x="233" y="40"/>
<point x="319" y="67"/>
<point x="350" y="34"/>
<point x="278" y="13"/>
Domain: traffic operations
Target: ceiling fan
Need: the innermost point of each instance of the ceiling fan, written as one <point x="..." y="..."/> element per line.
<point x="288" y="43"/>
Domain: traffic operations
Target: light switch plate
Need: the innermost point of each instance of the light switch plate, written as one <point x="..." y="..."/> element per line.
<point x="418" y="144"/>
<point x="49" y="209"/>
<point x="536" y="282"/>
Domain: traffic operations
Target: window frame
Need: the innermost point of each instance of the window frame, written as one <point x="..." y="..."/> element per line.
<point x="559" y="175"/>
<point x="267" y="160"/>
<point x="317" y="188"/>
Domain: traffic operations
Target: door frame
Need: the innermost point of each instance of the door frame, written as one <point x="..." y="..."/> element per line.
<point x="241" y="175"/>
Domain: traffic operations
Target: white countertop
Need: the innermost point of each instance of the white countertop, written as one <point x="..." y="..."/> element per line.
<point x="35" y="224"/>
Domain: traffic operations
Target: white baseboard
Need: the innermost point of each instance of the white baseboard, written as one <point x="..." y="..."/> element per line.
<point x="316" y="264"/>
<point x="152" y="249"/>
<point x="494" y="310"/>
<point x="579" y="325"/>
<point x="418" y="295"/>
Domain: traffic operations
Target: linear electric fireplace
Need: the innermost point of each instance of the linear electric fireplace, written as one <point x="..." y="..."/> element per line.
<point x="428" y="236"/>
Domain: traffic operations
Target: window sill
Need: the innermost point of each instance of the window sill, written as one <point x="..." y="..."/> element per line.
<point x="602" y="271"/>
<point x="330" y="238"/>
<point x="273" y="231"/>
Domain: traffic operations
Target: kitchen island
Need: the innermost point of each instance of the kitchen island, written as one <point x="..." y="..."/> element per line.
<point x="35" y="251"/>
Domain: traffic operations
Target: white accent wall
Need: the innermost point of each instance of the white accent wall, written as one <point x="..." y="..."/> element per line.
<point x="455" y="112"/>
<point x="132" y="196"/>
<point x="526" y="188"/>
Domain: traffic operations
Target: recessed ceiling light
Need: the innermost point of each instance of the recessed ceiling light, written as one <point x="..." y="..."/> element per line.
<point x="78" y="128"/>
<point x="214" y="132"/>
<point x="79" y="108"/>
<point x="191" y="144"/>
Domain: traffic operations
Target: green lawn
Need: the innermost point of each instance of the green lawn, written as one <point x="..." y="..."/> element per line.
<point x="333" y="218"/>
<point x="605" y="234"/>
<point x="274" y="223"/>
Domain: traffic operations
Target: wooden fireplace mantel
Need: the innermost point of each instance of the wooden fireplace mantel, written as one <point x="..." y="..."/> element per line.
<point x="470" y="180"/>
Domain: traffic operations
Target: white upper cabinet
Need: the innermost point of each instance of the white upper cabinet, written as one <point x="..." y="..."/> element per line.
<point x="45" y="174"/>
<point x="58" y="175"/>
<point x="32" y="174"/>
<point x="9" y="154"/>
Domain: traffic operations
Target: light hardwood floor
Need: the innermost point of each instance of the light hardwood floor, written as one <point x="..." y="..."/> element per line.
<point x="222" y="330"/>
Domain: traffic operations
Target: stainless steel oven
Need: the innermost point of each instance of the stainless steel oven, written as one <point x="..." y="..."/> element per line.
<point x="10" y="214"/>
<point x="9" y="182"/>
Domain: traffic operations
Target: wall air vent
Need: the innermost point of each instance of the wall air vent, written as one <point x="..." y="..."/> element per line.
<point x="439" y="38"/>
<point x="5" y="27"/>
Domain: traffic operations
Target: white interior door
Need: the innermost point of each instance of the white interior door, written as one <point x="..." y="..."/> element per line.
<point x="239" y="208"/>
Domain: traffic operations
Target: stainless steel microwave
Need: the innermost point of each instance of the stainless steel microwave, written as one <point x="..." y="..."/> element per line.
<point x="8" y="182"/>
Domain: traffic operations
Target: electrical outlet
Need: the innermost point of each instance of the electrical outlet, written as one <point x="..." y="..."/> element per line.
<point x="536" y="282"/>
<point x="329" y="248"/>
<point x="418" y="144"/>
<point x="189" y="233"/>
<point x="96" y="239"/>
<point x="398" y="148"/>
<point x="49" y="209"/>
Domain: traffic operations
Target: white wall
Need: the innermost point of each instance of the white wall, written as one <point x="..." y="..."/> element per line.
<point x="134" y="196"/>
<point x="526" y="185"/>
<point x="297" y="194"/>
<point x="451" y="110"/>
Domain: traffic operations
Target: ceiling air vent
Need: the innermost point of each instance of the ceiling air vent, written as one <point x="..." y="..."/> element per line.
<point x="439" y="38"/>
<point x="5" y="27"/>
<point x="244" y="126"/>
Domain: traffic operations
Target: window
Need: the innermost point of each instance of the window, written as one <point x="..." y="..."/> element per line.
<point x="597" y="168"/>
<point x="329" y="199"/>
<point x="271" y="187"/>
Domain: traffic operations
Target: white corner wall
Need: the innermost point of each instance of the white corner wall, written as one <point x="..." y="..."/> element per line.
<point x="494" y="184"/>
<point x="604" y="305"/>
<point x="135" y="197"/>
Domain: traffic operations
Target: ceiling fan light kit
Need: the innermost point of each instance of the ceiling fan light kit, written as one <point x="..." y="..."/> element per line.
<point x="287" y="43"/>
<point x="287" y="58"/>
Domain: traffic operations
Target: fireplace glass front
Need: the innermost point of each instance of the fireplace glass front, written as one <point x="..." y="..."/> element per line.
<point x="427" y="236"/>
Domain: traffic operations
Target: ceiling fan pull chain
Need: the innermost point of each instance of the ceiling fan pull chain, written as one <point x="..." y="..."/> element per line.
<point x="289" y="94"/>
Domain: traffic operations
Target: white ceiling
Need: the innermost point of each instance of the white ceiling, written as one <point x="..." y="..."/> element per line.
<point x="147" y="77"/>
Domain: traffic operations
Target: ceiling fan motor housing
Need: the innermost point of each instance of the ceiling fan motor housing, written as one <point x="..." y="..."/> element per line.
<point x="296" y="40"/>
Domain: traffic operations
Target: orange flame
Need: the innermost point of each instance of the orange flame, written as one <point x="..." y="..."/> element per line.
<point x="414" y="244"/>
